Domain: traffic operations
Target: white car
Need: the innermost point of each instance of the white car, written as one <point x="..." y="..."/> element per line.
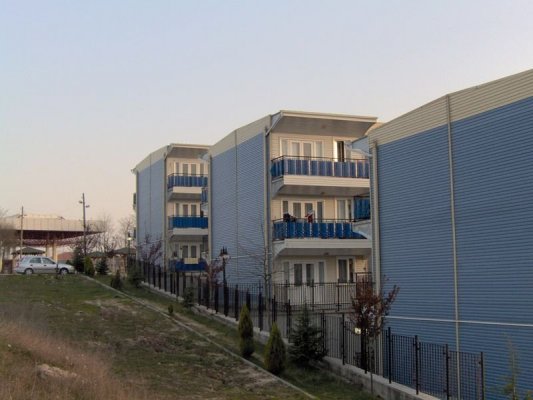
<point x="42" y="265"/>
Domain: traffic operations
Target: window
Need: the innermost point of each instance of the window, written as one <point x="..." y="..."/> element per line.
<point x="321" y="272"/>
<point x="185" y="252"/>
<point x="35" y="260"/>
<point x="194" y="210"/>
<point x="344" y="209"/>
<point x="48" y="261"/>
<point x="299" y="209"/>
<point x="193" y="169"/>
<point x="185" y="169"/>
<point x="185" y="209"/>
<point x="340" y="153"/>
<point x="286" y="271"/>
<point x="343" y="270"/>
<point x="297" y="148"/>
<point x="194" y="251"/>
<point x="298" y="279"/>
<point x="309" y="274"/>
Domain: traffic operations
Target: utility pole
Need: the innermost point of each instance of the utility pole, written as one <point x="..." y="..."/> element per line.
<point x="82" y="202"/>
<point x="21" y="231"/>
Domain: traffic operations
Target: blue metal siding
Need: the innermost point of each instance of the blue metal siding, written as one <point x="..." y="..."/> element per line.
<point x="493" y="168"/>
<point x="150" y="192"/>
<point x="415" y="228"/>
<point x="237" y="219"/>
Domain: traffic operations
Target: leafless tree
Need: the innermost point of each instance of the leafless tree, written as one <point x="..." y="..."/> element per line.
<point x="126" y="225"/>
<point x="106" y="241"/>
<point x="151" y="250"/>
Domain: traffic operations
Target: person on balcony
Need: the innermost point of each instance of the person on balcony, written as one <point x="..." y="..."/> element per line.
<point x="310" y="216"/>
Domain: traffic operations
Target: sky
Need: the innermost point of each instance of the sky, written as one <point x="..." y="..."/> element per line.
<point x="89" y="88"/>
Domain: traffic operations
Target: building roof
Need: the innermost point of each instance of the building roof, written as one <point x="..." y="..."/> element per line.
<point x="174" y="148"/>
<point x="29" y="251"/>
<point x="456" y="106"/>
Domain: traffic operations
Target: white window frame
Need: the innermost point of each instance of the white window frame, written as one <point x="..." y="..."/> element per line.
<point x="290" y="141"/>
<point x="302" y="206"/>
<point x="350" y="262"/>
<point x="348" y="207"/>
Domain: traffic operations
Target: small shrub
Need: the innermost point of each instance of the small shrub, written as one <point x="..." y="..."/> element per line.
<point x="77" y="260"/>
<point x="135" y="275"/>
<point x="88" y="266"/>
<point x="246" y="333"/>
<point x="306" y="341"/>
<point x="170" y="310"/>
<point x="116" y="281"/>
<point x="275" y="354"/>
<point x="188" y="297"/>
<point x="101" y="267"/>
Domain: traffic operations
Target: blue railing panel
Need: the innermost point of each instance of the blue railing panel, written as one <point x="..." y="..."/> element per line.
<point x="323" y="230"/>
<point x="179" y="265"/>
<point x="186" y="181"/>
<point x="187" y="222"/>
<point x="319" y="167"/>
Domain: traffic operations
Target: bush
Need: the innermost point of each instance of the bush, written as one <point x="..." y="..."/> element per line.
<point x="306" y="341"/>
<point x="170" y="310"/>
<point x="246" y="333"/>
<point x="116" y="281"/>
<point x="135" y="275"/>
<point x="188" y="297"/>
<point x="88" y="266"/>
<point x="101" y="267"/>
<point x="77" y="260"/>
<point x="275" y="354"/>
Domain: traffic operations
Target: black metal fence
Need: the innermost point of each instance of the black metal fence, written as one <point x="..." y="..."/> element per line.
<point x="426" y="367"/>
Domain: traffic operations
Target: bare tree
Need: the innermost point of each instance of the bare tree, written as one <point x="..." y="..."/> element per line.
<point x="126" y="225"/>
<point x="151" y="250"/>
<point x="106" y="241"/>
<point x="369" y="308"/>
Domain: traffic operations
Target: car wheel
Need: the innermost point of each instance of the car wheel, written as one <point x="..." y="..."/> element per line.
<point x="63" y="271"/>
<point x="28" y="271"/>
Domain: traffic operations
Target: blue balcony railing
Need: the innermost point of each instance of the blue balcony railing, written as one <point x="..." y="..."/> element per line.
<point x="182" y="180"/>
<point x="180" y="265"/>
<point x="324" y="229"/>
<point x="313" y="166"/>
<point x="362" y="208"/>
<point x="187" y="222"/>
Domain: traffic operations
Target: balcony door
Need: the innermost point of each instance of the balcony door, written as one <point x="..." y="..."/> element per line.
<point x="304" y="272"/>
<point x="189" y="168"/>
<point x="345" y="269"/>
<point x="301" y="208"/>
<point x="344" y="209"/>
<point x="187" y="209"/>
<point x="301" y="148"/>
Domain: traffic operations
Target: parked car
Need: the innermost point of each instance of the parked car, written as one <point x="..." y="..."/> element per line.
<point x="42" y="265"/>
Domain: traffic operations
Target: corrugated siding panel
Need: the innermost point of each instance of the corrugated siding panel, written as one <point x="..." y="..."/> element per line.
<point x="223" y="219"/>
<point x="238" y="209"/>
<point x="251" y="175"/>
<point x="415" y="228"/>
<point x="150" y="197"/>
<point x="493" y="165"/>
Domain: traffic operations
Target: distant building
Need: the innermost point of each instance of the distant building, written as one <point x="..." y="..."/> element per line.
<point x="167" y="202"/>
<point x="289" y="200"/>
<point x="453" y="223"/>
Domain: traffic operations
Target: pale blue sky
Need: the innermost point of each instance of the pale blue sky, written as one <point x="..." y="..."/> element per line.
<point x="89" y="88"/>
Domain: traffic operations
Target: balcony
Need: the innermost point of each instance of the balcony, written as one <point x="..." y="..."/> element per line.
<point x="187" y="264"/>
<point x="182" y="186"/>
<point x="321" y="238"/>
<point x="187" y="227"/>
<point x="318" y="176"/>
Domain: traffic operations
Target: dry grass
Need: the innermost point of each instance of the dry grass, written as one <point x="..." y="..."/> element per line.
<point x="23" y="348"/>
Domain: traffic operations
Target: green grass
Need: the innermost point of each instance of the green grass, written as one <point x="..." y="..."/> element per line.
<point x="320" y="383"/>
<point x="145" y="351"/>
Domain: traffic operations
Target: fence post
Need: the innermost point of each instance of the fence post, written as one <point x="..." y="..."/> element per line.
<point x="342" y="341"/>
<point x="248" y="300"/>
<point x="165" y="279"/>
<point x="184" y="279"/>
<point x="207" y="294"/>
<point x="236" y="302"/>
<point x="289" y="320"/>
<point x="226" y="299"/>
<point x="159" y="278"/>
<point x="324" y="330"/>
<point x="312" y="294"/>
<point x="274" y="309"/>
<point x="417" y="366"/>
<point x="338" y="295"/>
<point x="260" y="309"/>
<point x="389" y="349"/>
<point x="199" y="290"/>
<point x="447" y="359"/>
<point x="482" y="365"/>
<point x="216" y="298"/>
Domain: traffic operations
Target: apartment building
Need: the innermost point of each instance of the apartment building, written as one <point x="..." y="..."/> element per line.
<point x="289" y="200"/>
<point x="453" y="222"/>
<point x="168" y="206"/>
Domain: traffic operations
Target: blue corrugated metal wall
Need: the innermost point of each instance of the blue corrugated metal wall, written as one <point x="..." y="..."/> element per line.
<point x="238" y="209"/>
<point x="415" y="228"/>
<point x="493" y="170"/>
<point x="150" y="192"/>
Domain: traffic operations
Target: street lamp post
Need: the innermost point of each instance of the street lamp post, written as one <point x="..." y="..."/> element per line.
<point x="129" y="239"/>
<point x="82" y="202"/>
<point x="225" y="257"/>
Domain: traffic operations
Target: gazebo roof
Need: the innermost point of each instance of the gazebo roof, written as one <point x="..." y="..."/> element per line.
<point x="96" y="254"/>
<point x="124" y="251"/>
<point x="31" y="251"/>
